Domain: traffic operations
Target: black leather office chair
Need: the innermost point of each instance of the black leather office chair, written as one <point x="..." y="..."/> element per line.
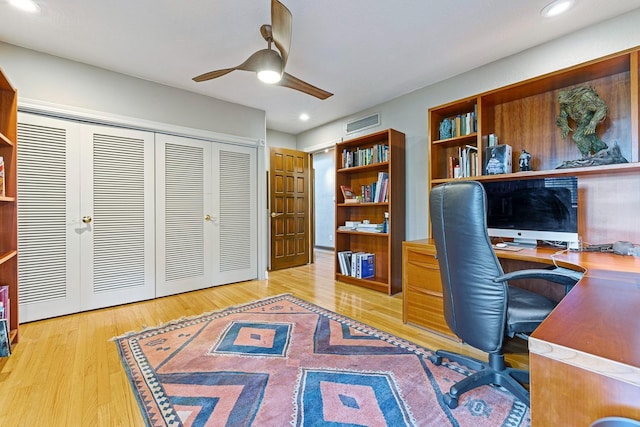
<point x="479" y="305"/>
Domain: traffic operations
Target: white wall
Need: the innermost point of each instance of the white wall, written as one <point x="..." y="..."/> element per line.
<point x="408" y="113"/>
<point x="281" y="139"/>
<point x="50" y="79"/>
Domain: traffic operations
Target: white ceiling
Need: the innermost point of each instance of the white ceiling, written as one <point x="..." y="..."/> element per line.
<point x="366" y="52"/>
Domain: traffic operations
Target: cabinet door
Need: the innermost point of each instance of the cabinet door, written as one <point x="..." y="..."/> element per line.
<point x="85" y="218"/>
<point x="206" y="214"/>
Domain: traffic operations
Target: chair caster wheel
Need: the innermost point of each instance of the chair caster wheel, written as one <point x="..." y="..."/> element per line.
<point x="435" y="359"/>
<point x="450" y="401"/>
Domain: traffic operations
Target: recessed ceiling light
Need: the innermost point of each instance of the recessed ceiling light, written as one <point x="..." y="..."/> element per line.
<point x="556" y="8"/>
<point x="304" y="117"/>
<point x="26" y="5"/>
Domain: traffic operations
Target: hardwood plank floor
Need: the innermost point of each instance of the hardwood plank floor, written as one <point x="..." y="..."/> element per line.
<point x="66" y="371"/>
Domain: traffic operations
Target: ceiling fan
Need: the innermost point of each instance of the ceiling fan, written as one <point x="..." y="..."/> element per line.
<point x="269" y="64"/>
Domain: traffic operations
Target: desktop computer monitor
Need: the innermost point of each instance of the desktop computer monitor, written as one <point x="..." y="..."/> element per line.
<point x="532" y="210"/>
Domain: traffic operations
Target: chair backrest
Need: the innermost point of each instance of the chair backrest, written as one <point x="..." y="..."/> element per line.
<point x="475" y="307"/>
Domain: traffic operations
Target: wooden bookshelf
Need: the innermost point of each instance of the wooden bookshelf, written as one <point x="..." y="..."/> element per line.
<point x="523" y="115"/>
<point x="387" y="247"/>
<point x="8" y="201"/>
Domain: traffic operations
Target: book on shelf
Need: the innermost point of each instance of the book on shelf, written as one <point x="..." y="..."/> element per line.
<point x="465" y="165"/>
<point x="5" y="327"/>
<point x="4" y="303"/>
<point x="497" y="160"/>
<point x="348" y="193"/>
<point x="459" y="125"/>
<point x="365" y="156"/>
<point x="344" y="260"/>
<point x="366" y="266"/>
<point x="2" y="184"/>
<point x="369" y="228"/>
<point x="360" y="265"/>
<point x="5" y="343"/>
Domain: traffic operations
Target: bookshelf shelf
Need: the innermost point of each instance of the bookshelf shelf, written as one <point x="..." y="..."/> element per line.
<point x="387" y="247"/>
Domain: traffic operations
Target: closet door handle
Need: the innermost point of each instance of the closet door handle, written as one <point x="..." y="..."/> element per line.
<point x="87" y="219"/>
<point x="207" y="217"/>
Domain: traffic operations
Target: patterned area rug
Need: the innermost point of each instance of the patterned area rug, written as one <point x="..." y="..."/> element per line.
<point x="283" y="361"/>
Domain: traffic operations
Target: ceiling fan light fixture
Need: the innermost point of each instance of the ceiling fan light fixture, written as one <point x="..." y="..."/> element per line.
<point x="270" y="67"/>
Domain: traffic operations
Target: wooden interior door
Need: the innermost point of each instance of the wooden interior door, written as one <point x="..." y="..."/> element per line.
<point x="289" y="190"/>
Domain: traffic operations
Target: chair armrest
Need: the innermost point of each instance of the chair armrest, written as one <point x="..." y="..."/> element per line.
<point x="560" y="275"/>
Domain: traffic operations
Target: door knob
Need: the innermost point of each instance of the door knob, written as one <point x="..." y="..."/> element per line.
<point x="273" y="214"/>
<point x="86" y="219"/>
<point x="207" y="217"/>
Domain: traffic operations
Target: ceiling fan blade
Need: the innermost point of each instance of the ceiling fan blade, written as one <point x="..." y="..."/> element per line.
<point x="295" y="83"/>
<point x="281" y="29"/>
<point x="252" y="63"/>
<point x="213" y="74"/>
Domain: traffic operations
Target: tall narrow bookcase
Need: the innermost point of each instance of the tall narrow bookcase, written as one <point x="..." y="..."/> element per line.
<point x="369" y="158"/>
<point x="8" y="201"/>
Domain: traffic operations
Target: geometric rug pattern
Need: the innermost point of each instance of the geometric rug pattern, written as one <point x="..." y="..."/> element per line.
<point x="282" y="361"/>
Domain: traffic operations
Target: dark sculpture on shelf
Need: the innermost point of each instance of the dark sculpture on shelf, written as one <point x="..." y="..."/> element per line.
<point x="524" y="161"/>
<point x="583" y="105"/>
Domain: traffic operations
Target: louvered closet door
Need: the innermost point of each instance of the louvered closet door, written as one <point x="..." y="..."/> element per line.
<point x="48" y="224"/>
<point x="235" y="226"/>
<point x="184" y="236"/>
<point x="117" y="210"/>
<point x="206" y="214"/>
<point x="85" y="216"/>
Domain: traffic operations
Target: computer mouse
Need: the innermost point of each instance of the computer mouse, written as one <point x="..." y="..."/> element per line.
<point x="501" y="245"/>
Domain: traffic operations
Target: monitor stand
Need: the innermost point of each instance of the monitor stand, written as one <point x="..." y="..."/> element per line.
<point x="523" y="243"/>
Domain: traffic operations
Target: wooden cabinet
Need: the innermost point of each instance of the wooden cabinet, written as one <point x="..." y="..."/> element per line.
<point x="523" y="115"/>
<point x="8" y="201"/>
<point x="370" y="163"/>
<point x="422" y="287"/>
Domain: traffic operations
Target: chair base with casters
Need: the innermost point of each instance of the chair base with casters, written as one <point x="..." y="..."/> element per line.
<point x="495" y="372"/>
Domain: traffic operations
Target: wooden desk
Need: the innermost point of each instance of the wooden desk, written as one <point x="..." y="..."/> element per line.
<point x="584" y="359"/>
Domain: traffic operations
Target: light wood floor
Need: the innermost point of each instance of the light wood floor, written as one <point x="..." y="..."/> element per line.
<point x="66" y="371"/>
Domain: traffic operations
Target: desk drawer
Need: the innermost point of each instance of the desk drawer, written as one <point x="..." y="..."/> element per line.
<point x="422" y="288"/>
<point x="424" y="309"/>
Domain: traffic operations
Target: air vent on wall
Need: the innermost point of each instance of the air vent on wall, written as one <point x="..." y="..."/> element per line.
<point x="363" y="123"/>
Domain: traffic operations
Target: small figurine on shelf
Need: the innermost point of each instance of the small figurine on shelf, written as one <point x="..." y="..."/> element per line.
<point x="445" y="129"/>
<point x="525" y="161"/>
<point x="385" y="223"/>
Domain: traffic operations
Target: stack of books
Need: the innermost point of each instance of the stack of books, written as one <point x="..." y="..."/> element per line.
<point x="361" y="265"/>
